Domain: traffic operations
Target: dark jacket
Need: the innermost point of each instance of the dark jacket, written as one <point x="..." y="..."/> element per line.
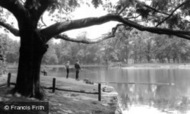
<point x="77" y="66"/>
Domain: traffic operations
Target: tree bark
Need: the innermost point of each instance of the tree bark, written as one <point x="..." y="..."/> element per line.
<point x="31" y="52"/>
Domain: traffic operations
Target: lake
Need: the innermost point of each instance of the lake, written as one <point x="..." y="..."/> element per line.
<point x="165" y="87"/>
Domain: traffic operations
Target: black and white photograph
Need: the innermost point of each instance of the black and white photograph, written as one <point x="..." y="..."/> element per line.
<point x="94" y="56"/>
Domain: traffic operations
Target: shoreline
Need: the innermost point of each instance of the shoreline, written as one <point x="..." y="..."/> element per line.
<point x="62" y="102"/>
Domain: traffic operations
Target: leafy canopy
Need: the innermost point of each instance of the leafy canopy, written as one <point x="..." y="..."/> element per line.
<point x="172" y="14"/>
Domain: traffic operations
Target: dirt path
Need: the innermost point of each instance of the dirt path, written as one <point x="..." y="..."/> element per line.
<point x="62" y="102"/>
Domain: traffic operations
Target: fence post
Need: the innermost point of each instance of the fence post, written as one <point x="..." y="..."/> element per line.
<point x="9" y="80"/>
<point x="99" y="91"/>
<point x="53" y="85"/>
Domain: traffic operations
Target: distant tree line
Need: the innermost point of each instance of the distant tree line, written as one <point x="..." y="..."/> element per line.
<point x="131" y="46"/>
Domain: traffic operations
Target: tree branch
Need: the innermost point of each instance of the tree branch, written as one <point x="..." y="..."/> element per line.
<point x="42" y="20"/>
<point x="14" y="6"/>
<point x="10" y="28"/>
<point x="37" y="8"/>
<point x="90" y="40"/>
<point x="151" y="8"/>
<point x="58" y="28"/>
<point x="85" y="40"/>
<point x="171" y="14"/>
<point x="179" y="33"/>
<point x="145" y="5"/>
<point x="122" y="10"/>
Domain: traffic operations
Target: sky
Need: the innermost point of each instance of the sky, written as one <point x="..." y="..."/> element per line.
<point x="93" y="31"/>
<point x="86" y="11"/>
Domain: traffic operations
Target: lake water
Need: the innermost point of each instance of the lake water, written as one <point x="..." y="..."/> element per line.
<point x="164" y="87"/>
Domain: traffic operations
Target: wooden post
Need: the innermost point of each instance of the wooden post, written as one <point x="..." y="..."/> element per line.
<point x="9" y="80"/>
<point x="99" y="91"/>
<point x="53" y="85"/>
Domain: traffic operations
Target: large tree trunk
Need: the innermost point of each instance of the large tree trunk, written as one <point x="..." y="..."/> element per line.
<point x="31" y="52"/>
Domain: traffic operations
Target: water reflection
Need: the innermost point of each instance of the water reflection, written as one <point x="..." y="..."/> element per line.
<point x="159" y="87"/>
<point x="162" y="88"/>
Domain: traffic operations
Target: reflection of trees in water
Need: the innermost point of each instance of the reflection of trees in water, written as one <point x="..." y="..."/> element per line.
<point x="132" y="94"/>
<point x="156" y="95"/>
<point x="123" y="92"/>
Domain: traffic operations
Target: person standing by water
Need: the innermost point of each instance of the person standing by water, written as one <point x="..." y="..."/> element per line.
<point x="77" y="68"/>
<point x="67" y="68"/>
<point x="44" y="71"/>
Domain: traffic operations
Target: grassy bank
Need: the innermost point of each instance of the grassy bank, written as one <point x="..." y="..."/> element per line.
<point x="62" y="102"/>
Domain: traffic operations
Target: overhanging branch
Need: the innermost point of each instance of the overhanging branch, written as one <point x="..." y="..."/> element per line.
<point x="171" y="14"/>
<point x="90" y="40"/>
<point x="85" y="40"/>
<point x="58" y="28"/>
<point x="13" y="30"/>
<point x="151" y="8"/>
<point x="179" y="33"/>
<point x="122" y="10"/>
